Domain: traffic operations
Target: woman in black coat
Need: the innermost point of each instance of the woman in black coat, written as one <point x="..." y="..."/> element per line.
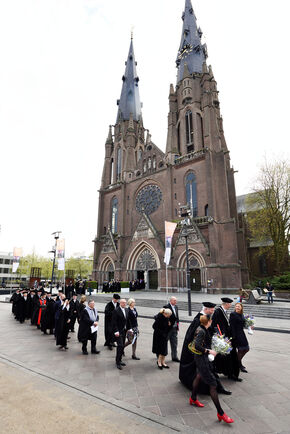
<point x="132" y="337"/>
<point x="237" y="323"/>
<point x="161" y="328"/>
<point x="63" y="325"/>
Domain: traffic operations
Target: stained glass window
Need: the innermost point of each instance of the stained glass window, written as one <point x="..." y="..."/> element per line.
<point x="148" y="199"/>
<point x="114" y="215"/>
<point x="191" y="196"/>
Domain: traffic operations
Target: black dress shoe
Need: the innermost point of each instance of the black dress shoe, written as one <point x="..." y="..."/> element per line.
<point x="123" y="364"/>
<point x="165" y="366"/>
<point x="110" y="348"/>
<point x="119" y="367"/>
<point x="243" y="369"/>
<point x="224" y="392"/>
<point x="234" y="378"/>
<point x="135" y="358"/>
<point x="176" y="360"/>
<point x="85" y="353"/>
<point x="96" y="352"/>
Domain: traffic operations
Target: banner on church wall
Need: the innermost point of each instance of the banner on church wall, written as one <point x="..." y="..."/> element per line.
<point x="169" y="231"/>
<point x="17" y="253"/>
<point x="60" y="244"/>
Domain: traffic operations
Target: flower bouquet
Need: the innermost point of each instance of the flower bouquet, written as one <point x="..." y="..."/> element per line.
<point x="249" y="323"/>
<point x="221" y="345"/>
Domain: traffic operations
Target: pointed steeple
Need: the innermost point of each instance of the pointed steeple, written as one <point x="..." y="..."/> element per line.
<point x="129" y="101"/>
<point x="191" y="50"/>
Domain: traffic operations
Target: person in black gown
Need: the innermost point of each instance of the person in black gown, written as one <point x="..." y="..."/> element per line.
<point x="187" y="368"/>
<point x="133" y="315"/>
<point x="202" y="346"/>
<point x="109" y="309"/>
<point x="237" y="323"/>
<point x="161" y="328"/>
<point x="227" y="365"/>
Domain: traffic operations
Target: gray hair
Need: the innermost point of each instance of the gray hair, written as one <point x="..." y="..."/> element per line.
<point x="130" y="301"/>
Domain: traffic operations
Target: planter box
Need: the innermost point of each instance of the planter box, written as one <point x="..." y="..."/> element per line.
<point x="125" y="290"/>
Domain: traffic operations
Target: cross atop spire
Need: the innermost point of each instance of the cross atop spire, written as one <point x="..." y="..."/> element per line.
<point x="191" y="50"/>
<point x="129" y="102"/>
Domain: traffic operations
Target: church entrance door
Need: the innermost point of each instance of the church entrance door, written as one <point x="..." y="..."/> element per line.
<point x="195" y="280"/>
<point x="153" y="279"/>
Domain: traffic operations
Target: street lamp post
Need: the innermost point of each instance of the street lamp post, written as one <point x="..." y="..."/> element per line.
<point x="56" y="237"/>
<point x="185" y="223"/>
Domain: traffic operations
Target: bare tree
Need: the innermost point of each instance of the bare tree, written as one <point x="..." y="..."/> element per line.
<point x="269" y="216"/>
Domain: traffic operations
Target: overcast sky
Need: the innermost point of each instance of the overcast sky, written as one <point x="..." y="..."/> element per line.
<point x="60" y="76"/>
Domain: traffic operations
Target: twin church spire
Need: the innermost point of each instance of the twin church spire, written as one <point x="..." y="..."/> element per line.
<point x="191" y="53"/>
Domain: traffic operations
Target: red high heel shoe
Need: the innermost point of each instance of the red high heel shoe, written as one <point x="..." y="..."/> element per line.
<point x="196" y="402"/>
<point x="225" y="418"/>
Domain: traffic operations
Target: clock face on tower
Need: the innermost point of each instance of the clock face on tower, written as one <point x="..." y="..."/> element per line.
<point x="184" y="51"/>
<point x="148" y="199"/>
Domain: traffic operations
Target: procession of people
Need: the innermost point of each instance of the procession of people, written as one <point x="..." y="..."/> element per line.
<point x="200" y="363"/>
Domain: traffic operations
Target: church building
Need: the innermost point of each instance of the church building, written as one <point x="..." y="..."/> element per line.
<point x="142" y="186"/>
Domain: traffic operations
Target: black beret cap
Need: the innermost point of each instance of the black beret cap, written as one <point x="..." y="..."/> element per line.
<point x="208" y="304"/>
<point x="116" y="296"/>
<point x="226" y="300"/>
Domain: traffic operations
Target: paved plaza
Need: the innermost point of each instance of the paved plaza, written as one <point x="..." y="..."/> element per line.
<point x="140" y="398"/>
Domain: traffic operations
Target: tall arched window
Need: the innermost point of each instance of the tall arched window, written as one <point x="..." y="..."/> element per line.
<point x="189" y="131"/>
<point x="191" y="197"/>
<point x="114" y="215"/>
<point x="119" y="163"/>
<point x="149" y="163"/>
<point x="139" y="154"/>
<point x="178" y="138"/>
<point x="112" y="171"/>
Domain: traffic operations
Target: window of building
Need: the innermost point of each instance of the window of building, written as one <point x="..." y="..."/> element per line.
<point x="112" y="171"/>
<point x="175" y="197"/>
<point x="174" y="180"/>
<point x="154" y="162"/>
<point x="149" y="163"/>
<point x="175" y="212"/>
<point x="191" y="196"/>
<point x="178" y="138"/>
<point x="206" y="210"/>
<point x="7" y="261"/>
<point x="119" y="163"/>
<point x="144" y="166"/>
<point x="189" y="131"/>
<point x="139" y="157"/>
<point x="200" y="129"/>
<point x="114" y="215"/>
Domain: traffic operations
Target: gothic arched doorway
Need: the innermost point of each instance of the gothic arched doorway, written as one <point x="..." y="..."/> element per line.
<point x="107" y="270"/>
<point x="197" y="270"/>
<point x="143" y="264"/>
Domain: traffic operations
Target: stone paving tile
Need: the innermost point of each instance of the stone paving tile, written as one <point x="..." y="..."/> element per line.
<point x="259" y="404"/>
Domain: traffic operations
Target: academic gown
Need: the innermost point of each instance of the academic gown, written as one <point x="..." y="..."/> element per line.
<point x="47" y="318"/>
<point x="187" y="366"/>
<point x="227" y="365"/>
<point x="109" y="309"/>
<point x="23" y="309"/>
<point x="63" y="327"/>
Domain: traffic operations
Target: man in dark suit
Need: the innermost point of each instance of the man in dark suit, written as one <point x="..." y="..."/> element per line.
<point x="74" y="305"/>
<point x="121" y="324"/>
<point x="228" y="365"/>
<point x="109" y="309"/>
<point x="89" y="318"/>
<point x="174" y="328"/>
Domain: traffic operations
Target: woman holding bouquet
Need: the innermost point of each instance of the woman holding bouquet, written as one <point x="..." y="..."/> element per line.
<point x="237" y="323"/>
<point x="202" y="341"/>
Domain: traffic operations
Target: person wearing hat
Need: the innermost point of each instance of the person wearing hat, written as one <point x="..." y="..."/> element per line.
<point x="35" y="306"/>
<point x="227" y="365"/>
<point x="22" y="307"/>
<point x="47" y="318"/>
<point x="187" y="368"/>
<point x="109" y="309"/>
<point x="74" y="311"/>
<point x="14" y="298"/>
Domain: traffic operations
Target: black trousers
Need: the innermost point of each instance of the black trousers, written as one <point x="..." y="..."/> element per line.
<point x="120" y="347"/>
<point x="72" y="322"/>
<point x="93" y="339"/>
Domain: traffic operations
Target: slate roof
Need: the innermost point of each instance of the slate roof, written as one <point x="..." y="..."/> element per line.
<point x="129" y="101"/>
<point x="190" y="37"/>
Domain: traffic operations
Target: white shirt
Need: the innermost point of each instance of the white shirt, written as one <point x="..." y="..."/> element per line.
<point x="173" y="309"/>
<point x="124" y="312"/>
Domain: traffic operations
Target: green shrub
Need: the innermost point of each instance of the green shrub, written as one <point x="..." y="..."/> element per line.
<point x="279" y="282"/>
<point x="124" y="284"/>
<point x="91" y="284"/>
